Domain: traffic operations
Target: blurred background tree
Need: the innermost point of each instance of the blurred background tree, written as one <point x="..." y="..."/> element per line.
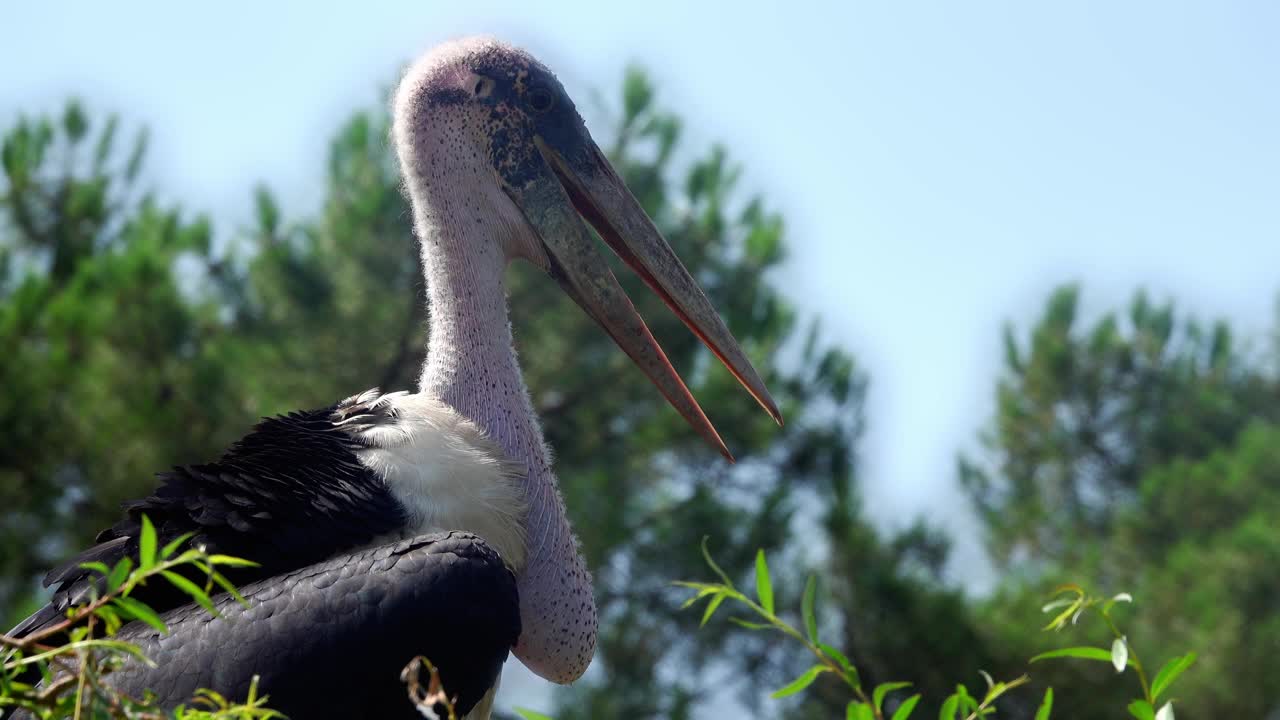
<point x="1137" y="455"/>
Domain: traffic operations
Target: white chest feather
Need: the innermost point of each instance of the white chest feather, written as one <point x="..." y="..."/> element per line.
<point x="447" y="474"/>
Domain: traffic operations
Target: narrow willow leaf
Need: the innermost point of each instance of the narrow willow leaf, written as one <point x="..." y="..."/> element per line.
<point x="806" y="608"/>
<point x="1169" y="673"/>
<point x="172" y="546"/>
<point x="850" y="672"/>
<point x="1142" y="710"/>
<point x="877" y="696"/>
<point x="190" y="588"/>
<point x="98" y="567"/>
<point x="1069" y="614"/>
<point x="530" y="714"/>
<point x="1119" y="654"/>
<point x="706" y="554"/>
<point x="858" y="711"/>
<point x="119" y="573"/>
<point x="701" y="586"/>
<point x="805" y="680"/>
<point x="907" y="707"/>
<point x="138" y="610"/>
<point x="147" y="545"/>
<point x="701" y="594"/>
<point x="764" y="588"/>
<point x="231" y="561"/>
<point x="1087" y="653"/>
<point x="1046" y="705"/>
<point x="750" y="625"/>
<point x="711" y="609"/>
<point x="227" y="585"/>
<point x="948" y="711"/>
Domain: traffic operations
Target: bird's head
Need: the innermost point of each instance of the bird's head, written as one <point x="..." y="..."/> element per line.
<point x="483" y="128"/>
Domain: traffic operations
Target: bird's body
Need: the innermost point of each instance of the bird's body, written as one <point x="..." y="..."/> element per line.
<point x="306" y="487"/>
<point x="498" y="167"/>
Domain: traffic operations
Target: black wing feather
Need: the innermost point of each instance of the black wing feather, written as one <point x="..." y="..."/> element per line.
<point x="289" y="494"/>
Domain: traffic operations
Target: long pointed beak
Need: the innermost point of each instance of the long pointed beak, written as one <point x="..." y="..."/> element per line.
<point x="549" y="197"/>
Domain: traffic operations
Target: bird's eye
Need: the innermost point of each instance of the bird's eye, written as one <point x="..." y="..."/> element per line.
<point x="482" y="88"/>
<point x="541" y="99"/>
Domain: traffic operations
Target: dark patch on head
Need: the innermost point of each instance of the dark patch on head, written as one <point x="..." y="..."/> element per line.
<point x="447" y="96"/>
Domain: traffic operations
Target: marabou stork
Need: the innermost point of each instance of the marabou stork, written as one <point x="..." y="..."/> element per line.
<point x="391" y="525"/>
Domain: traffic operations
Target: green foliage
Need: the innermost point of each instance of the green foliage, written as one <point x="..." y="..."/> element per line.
<point x="72" y="659"/>
<point x="1145" y="448"/>
<point x="1070" y="603"/>
<point x="829" y="660"/>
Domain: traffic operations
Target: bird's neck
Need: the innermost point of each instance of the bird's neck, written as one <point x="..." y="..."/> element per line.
<point x="471" y="366"/>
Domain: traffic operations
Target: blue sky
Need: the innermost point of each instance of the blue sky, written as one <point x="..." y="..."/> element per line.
<point x="940" y="165"/>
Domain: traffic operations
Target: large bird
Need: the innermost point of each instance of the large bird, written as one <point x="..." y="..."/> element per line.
<point x="335" y="503"/>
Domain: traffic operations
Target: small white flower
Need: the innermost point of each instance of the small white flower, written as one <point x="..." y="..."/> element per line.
<point x="1120" y="655"/>
<point x="1123" y="597"/>
<point x="1165" y="712"/>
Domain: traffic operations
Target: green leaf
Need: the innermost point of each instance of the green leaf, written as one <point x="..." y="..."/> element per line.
<point x="227" y="585"/>
<point x="806" y="608"/>
<point x="1142" y="710"/>
<point x="172" y="546"/>
<point x="1046" y="705"/>
<point x="147" y="545"/>
<point x="531" y="714"/>
<point x="139" y="610"/>
<point x="805" y="680"/>
<point x="764" y="588"/>
<point x="856" y="710"/>
<point x="98" y="567"/>
<point x="119" y="573"/>
<point x="1060" y="620"/>
<point x="703" y="592"/>
<point x="948" y="710"/>
<point x="1087" y="653"/>
<point x="849" y="671"/>
<point x="190" y="588"/>
<point x="907" y="707"/>
<point x="711" y="609"/>
<point x="877" y="696"/>
<point x="1169" y="672"/>
<point x="750" y="625"/>
<point x="706" y="554"/>
<point x="231" y="561"/>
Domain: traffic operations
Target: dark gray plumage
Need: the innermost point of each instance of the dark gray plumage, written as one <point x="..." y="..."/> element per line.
<point x="330" y="640"/>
